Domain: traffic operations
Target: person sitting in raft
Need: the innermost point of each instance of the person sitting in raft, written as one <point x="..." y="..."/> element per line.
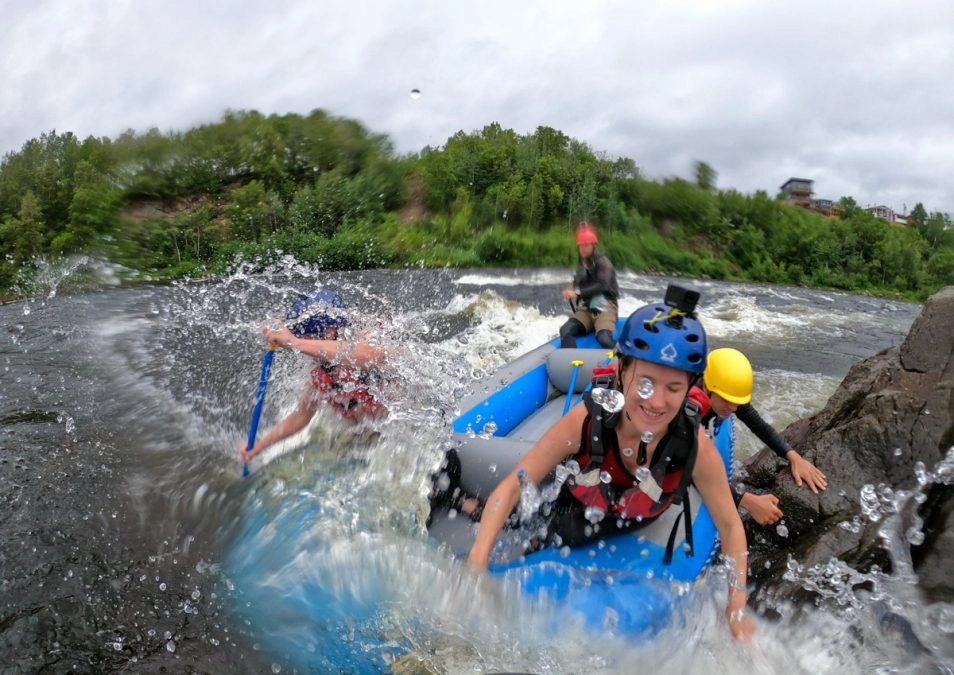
<point x="728" y="389"/>
<point x="662" y="352"/>
<point x="346" y="376"/>
<point x="594" y="294"/>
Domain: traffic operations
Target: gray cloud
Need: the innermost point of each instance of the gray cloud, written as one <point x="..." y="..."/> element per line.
<point x="854" y="95"/>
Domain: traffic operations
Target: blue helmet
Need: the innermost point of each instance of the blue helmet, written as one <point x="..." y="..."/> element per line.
<point x="666" y="335"/>
<point x="314" y="314"/>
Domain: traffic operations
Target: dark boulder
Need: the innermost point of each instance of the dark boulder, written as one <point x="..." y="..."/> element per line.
<point x="882" y="440"/>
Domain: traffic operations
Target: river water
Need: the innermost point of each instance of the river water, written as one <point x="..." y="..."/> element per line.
<point x="130" y="542"/>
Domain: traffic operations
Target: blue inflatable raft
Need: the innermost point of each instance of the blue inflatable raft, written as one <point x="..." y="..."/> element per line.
<point x="621" y="582"/>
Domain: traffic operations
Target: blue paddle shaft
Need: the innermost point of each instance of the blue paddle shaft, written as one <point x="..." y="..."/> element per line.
<point x="569" y="394"/>
<point x="259" y="402"/>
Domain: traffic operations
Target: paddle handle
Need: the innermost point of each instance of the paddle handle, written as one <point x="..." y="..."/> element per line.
<point x="569" y="394"/>
<point x="609" y="357"/>
<point x="259" y="402"/>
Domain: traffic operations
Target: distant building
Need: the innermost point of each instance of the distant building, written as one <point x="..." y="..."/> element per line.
<point x="887" y="213"/>
<point x="827" y="207"/>
<point x="799" y="192"/>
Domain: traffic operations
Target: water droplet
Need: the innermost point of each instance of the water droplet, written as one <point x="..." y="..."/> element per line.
<point x="647" y="437"/>
<point x="611" y="400"/>
<point x="782" y="530"/>
<point x="605" y="477"/>
<point x="643" y="474"/>
<point x="645" y="387"/>
<point x="627" y="452"/>
<point x="171" y="646"/>
<point x="915" y="536"/>
<point x="945" y="618"/>
<point x="593" y="514"/>
<point x="415" y="94"/>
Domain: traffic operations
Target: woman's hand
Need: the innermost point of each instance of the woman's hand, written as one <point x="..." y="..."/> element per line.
<point x="805" y="471"/>
<point x="764" y="508"/>
<point x="476" y="560"/>
<point x="741" y="625"/>
<point x="245" y="453"/>
<point x="278" y="334"/>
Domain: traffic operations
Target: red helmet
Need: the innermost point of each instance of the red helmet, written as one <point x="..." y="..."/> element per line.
<point x="586" y="234"/>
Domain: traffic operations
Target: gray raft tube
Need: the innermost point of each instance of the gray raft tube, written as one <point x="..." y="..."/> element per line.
<point x="498" y="426"/>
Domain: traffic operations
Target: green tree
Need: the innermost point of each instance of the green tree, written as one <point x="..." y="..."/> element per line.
<point x="253" y="211"/>
<point x="918" y="216"/>
<point x="705" y="176"/>
<point x="932" y="228"/>
<point x="848" y="206"/>
<point x="22" y="235"/>
<point x="94" y="209"/>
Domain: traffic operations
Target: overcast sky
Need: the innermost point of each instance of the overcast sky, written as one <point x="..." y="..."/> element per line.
<point x="856" y="95"/>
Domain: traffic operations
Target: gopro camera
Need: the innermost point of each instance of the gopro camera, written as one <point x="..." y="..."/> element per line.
<point x="683" y="299"/>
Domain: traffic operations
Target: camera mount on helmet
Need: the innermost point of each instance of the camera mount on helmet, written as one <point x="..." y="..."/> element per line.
<point x="683" y="300"/>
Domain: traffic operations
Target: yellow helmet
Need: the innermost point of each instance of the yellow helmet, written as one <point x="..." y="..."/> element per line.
<point x="729" y="374"/>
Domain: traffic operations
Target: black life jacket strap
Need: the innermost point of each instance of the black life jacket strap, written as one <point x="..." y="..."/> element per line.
<point x="686" y="515"/>
<point x="593" y="433"/>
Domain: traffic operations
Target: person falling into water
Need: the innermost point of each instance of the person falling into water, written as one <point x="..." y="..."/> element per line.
<point x="347" y="377"/>
<point x="594" y="294"/>
<point x="727" y="383"/>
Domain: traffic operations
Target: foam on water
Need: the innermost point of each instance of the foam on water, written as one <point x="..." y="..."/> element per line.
<point x="516" y="278"/>
<point x="504" y="330"/>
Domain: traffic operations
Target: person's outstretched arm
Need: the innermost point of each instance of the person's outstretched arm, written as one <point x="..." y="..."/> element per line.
<point x="359" y="353"/>
<point x="764" y="508"/>
<point x="802" y="469"/>
<point x="560" y="441"/>
<point x="710" y="479"/>
<point x="292" y="423"/>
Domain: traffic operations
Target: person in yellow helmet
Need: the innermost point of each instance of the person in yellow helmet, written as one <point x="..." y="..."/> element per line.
<point x="728" y="390"/>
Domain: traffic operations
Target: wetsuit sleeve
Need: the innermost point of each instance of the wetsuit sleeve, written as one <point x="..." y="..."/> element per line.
<point x="765" y="432"/>
<point x="606" y="274"/>
<point x="579" y="277"/>
<point x="612" y="285"/>
<point x="590" y="287"/>
<point x="737" y="493"/>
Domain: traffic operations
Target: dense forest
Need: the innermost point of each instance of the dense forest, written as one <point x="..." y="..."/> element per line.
<point x="328" y="191"/>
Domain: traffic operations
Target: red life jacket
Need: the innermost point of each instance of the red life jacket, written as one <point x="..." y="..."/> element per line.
<point x="702" y="398"/>
<point x="624" y="496"/>
<point x="346" y="389"/>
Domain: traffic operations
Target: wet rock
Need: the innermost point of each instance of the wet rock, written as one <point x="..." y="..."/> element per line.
<point x="892" y="415"/>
